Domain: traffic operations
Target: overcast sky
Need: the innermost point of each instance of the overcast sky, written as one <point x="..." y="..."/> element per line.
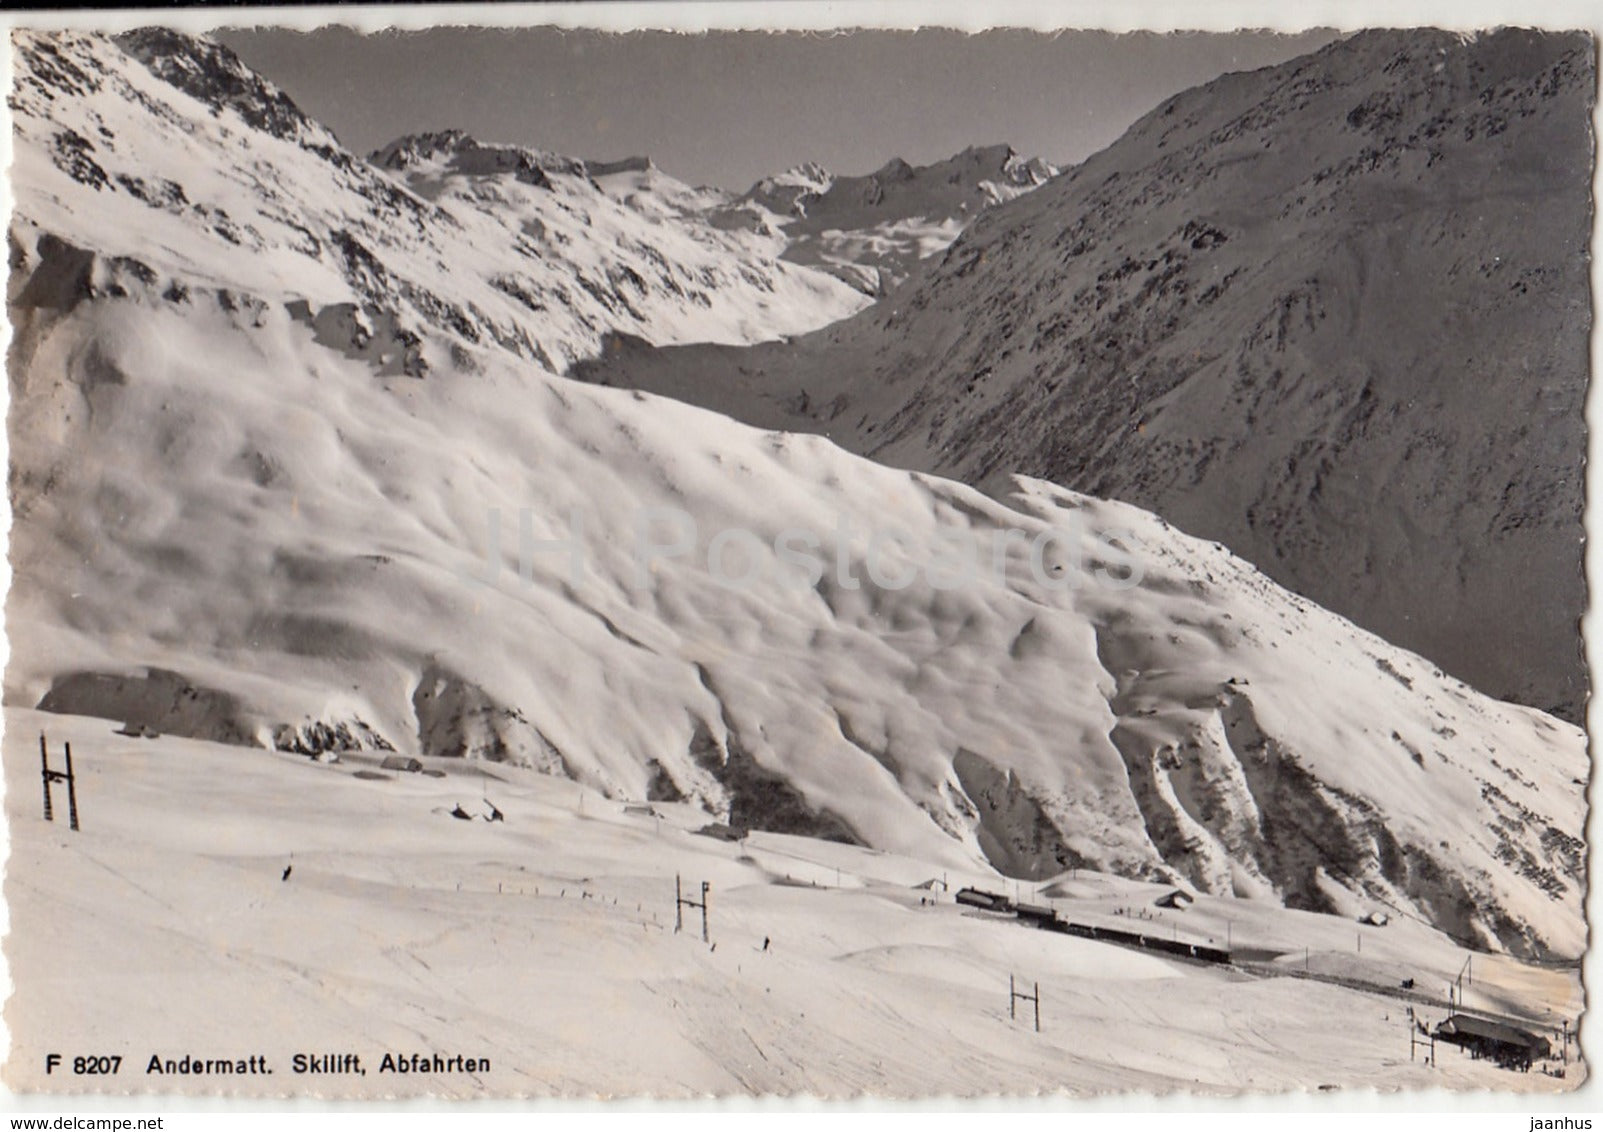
<point x="729" y="107"/>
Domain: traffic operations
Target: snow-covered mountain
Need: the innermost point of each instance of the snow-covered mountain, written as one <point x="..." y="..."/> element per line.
<point x="871" y="230"/>
<point x="961" y="185"/>
<point x="789" y="193"/>
<point x="206" y="174"/>
<point x="1333" y="313"/>
<point x="236" y="518"/>
<point x="453" y="164"/>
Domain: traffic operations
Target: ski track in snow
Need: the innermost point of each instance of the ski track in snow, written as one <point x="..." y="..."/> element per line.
<point x="863" y="990"/>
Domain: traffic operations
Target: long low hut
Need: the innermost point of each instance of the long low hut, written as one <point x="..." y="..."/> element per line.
<point x="979" y="898"/>
<point x="1507" y="1045"/>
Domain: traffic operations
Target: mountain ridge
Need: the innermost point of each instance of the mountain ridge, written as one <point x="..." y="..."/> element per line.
<point x="1278" y="300"/>
<point x="503" y="261"/>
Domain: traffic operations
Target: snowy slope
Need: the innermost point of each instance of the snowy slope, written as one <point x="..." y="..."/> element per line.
<point x="293" y="537"/>
<point x="1284" y="311"/>
<point x="205" y="174"/>
<point x="230" y="525"/>
<point x="545" y="944"/>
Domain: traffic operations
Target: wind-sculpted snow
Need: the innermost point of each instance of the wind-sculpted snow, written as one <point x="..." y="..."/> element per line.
<point x="220" y="499"/>
<point x="215" y="494"/>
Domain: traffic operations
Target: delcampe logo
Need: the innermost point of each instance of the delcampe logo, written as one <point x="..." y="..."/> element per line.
<point x="849" y="555"/>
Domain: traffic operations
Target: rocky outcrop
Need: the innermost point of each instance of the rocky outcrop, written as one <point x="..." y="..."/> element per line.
<point x="321" y="737"/>
<point x="157" y="699"/>
<point x="458" y="719"/>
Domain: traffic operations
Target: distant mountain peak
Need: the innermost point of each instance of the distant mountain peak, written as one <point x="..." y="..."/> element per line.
<point x="871" y="229"/>
<point x="459" y="152"/>
<point x="412" y="148"/>
<point x="947" y="188"/>
<point x="896" y="169"/>
<point x="809" y="173"/>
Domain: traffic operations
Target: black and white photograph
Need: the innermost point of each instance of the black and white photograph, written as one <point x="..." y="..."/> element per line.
<point x="551" y="560"/>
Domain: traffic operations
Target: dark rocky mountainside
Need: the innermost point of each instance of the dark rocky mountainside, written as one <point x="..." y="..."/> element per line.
<point x="1332" y="313"/>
